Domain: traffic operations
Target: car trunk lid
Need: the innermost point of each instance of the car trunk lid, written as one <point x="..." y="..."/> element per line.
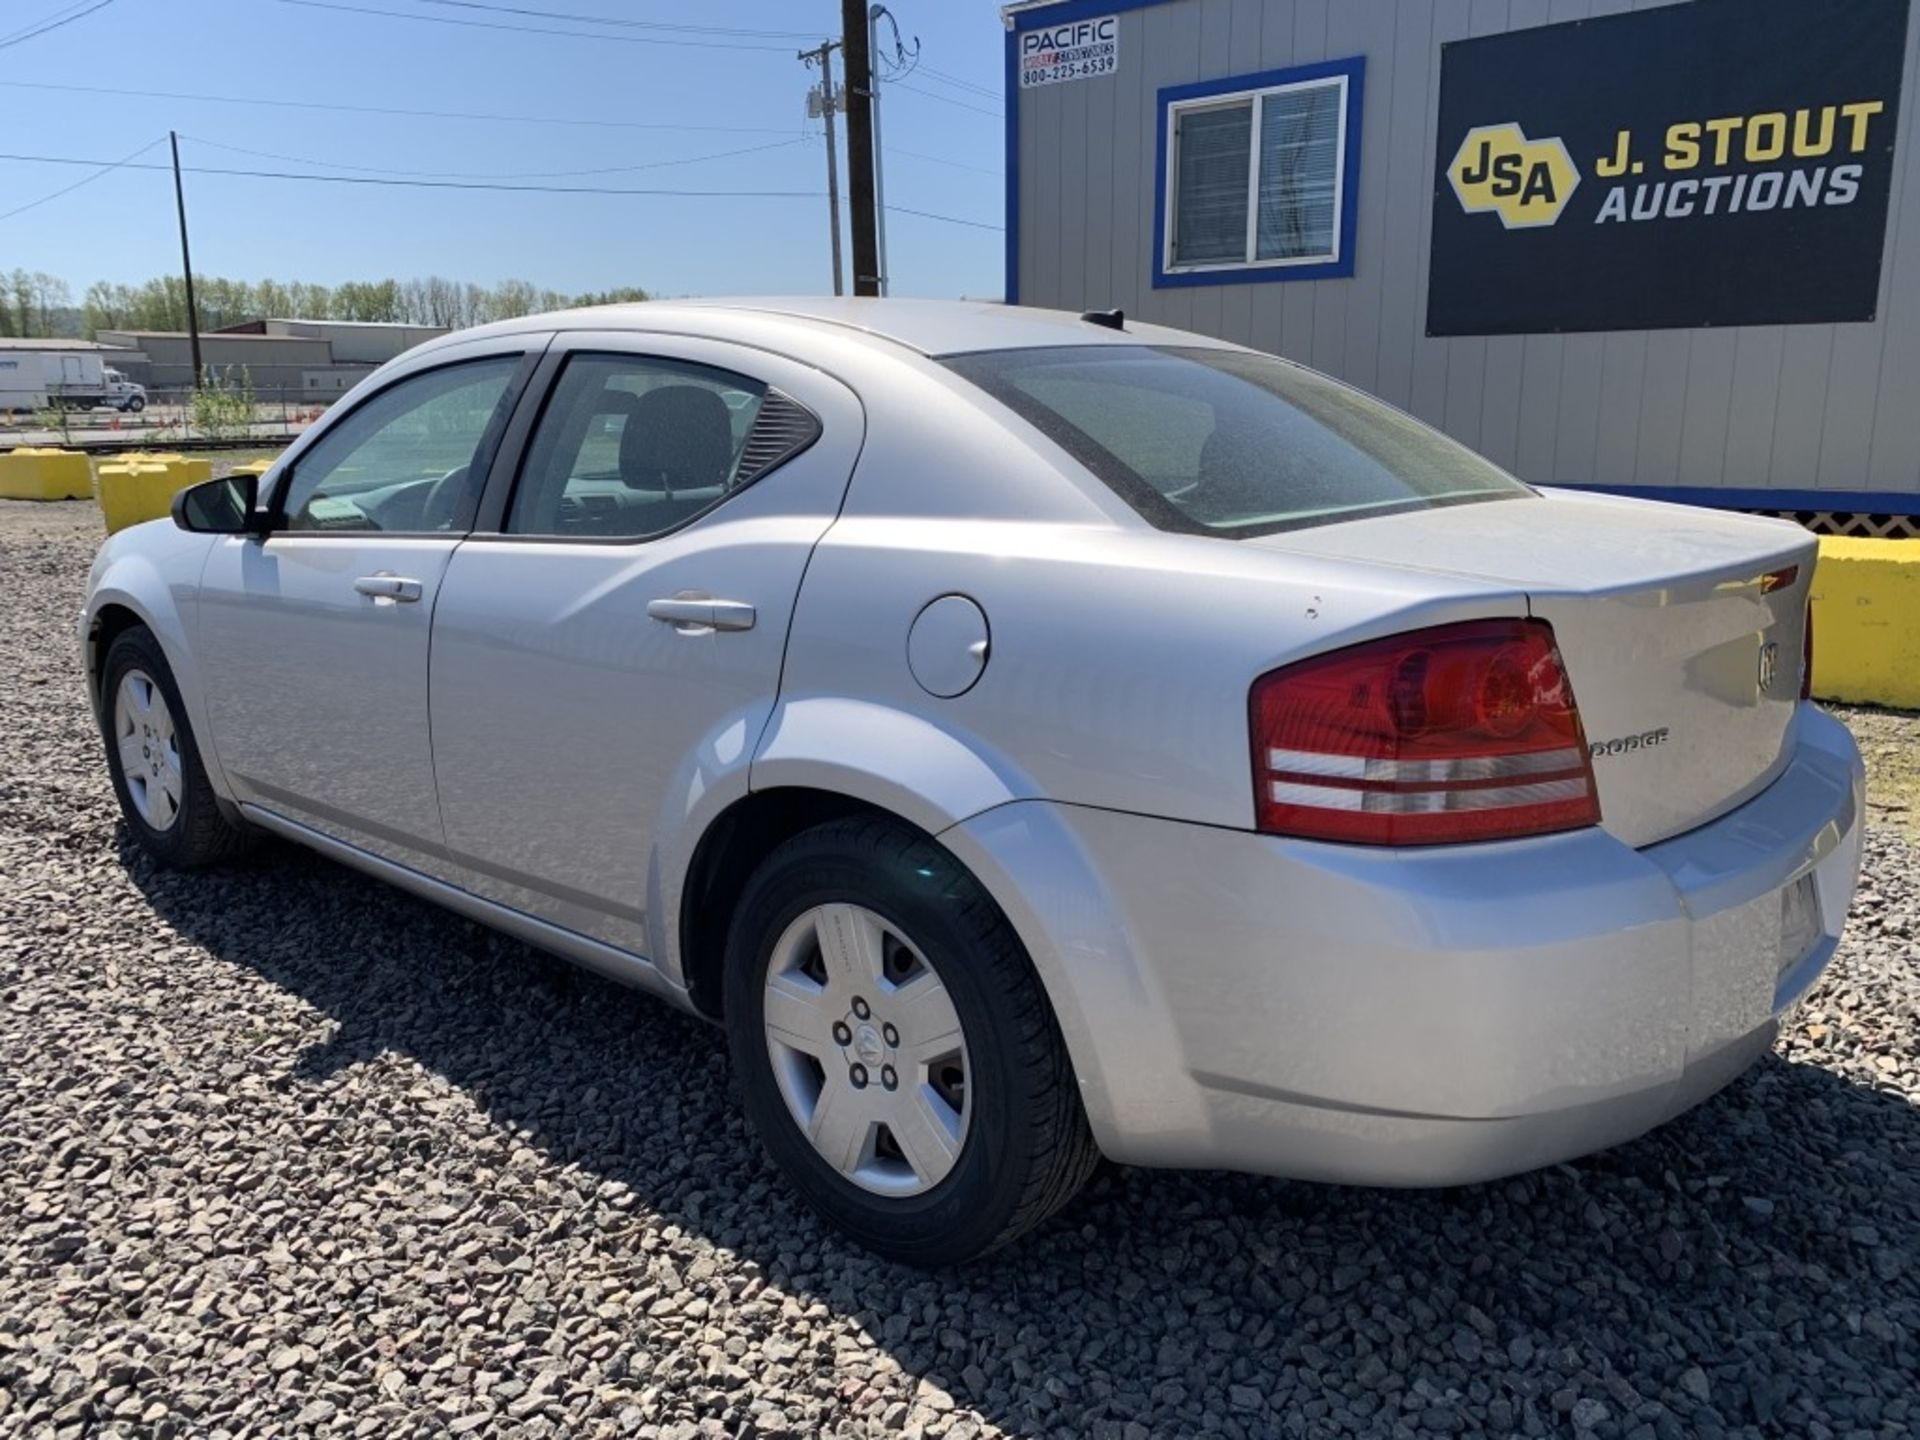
<point x="1681" y="630"/>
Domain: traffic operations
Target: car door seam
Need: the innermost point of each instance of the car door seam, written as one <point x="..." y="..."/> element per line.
<point x="433" y="754"/>
<point x="800" y="589"/>
<point x="523" y="378"/>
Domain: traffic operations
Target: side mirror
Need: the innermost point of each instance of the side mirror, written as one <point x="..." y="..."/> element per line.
<point x="220" y="507"/>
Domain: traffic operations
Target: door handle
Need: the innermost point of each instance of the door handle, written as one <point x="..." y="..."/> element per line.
<point x="698" y="614"/>
<point x="388" y="587"/>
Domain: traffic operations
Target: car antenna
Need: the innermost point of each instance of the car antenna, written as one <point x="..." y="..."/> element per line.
<point x="1112" y="319"/>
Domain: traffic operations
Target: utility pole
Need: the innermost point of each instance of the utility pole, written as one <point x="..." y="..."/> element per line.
<point x="186" y="260"/>
<point x="828" y="102"/>
<point x="860" y="200"/>
<point x="879" y="159"/>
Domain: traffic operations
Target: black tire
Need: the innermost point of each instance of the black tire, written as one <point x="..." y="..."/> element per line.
<point x="136" y="404"/>
<point x="198" y="835"/>
<point x="1027" y="1149"/>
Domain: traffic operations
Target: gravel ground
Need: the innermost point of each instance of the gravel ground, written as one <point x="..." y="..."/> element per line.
<point x="284" y="1152"/>
<point x="1890" y="741"/>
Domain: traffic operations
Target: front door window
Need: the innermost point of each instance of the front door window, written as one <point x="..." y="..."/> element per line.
<point x="403" y="462"/>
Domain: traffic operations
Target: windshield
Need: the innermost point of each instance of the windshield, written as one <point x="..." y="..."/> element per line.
<point x="1229" y="442"/>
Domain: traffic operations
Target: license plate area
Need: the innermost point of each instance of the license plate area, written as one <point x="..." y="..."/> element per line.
<point x="1800" y="926"/>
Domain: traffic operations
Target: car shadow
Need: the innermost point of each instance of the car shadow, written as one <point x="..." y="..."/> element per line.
<point x="1185" y="1302"/>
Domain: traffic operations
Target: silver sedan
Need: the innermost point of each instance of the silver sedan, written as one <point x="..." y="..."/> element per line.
<point x="1031" y="736"/>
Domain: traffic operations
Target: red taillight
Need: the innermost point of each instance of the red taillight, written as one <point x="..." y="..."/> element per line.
<point x="1461" y="732"/>
<point x="1806" y="657"/>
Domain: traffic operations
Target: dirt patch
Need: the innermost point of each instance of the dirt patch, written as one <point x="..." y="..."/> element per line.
<point x="47" y="519"/>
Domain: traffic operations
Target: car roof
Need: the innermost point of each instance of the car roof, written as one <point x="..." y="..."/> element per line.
<point x="930" y="327"/>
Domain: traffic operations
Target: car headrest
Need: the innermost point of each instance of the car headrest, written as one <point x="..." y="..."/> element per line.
<point x="615" y="402"/>
<point x="1236" y="464"/>
<point x="678" y="437"/>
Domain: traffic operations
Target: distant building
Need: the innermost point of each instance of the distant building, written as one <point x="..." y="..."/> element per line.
<point x="290" y="359"/>
<point x="354" y="342"/>
<point x="15" y="344"/>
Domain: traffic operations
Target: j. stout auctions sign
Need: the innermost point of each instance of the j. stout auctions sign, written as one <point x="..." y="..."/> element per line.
<point x="1723" y="162"/>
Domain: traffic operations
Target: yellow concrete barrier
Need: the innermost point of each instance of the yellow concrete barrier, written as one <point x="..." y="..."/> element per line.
<point x="141" y="487"/>
<point x="33" y="474"/>
<point x="255" y="468"/>
<point x="1866" y="621"/>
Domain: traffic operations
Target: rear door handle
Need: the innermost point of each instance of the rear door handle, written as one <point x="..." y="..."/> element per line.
<point x="388" y="587"/>
<point x="696" y="614"/>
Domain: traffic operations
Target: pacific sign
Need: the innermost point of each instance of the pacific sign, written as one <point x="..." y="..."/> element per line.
<point x="1075" y="50"/>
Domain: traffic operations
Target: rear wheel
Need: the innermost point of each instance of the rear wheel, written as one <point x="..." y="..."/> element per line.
<point x="157" y="774"/>
<point x="898" y="1054"/>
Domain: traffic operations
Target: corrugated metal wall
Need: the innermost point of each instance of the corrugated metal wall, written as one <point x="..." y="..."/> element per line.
<point x="1787" y="408"/>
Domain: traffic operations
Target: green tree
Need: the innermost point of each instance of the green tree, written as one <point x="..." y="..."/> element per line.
<point x="106" y="306"/>
<point x="512" y="299"/>
<point x="37" y="303"/>
<point x="33" y="303"/>
<point x="373" y="300"/>
<point x="619" y="295"/>
<point x="306" y="301"/>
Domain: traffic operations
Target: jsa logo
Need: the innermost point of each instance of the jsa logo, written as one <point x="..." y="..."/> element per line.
<point x="1525" y="182"/>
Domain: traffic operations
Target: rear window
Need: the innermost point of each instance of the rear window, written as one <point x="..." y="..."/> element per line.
<point x="1231" y="443"/>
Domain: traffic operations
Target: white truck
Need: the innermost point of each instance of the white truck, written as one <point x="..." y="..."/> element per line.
<point x="75" y="379"/>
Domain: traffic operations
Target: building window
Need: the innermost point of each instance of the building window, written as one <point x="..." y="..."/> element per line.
<point x="1257" y="176"/>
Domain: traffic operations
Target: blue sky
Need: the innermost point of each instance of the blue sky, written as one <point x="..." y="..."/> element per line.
<point x="943" y="154"/>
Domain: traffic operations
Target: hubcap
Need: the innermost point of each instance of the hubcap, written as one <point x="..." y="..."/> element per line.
<point x="867" y="1050"/>
<point x="149" y="749"/>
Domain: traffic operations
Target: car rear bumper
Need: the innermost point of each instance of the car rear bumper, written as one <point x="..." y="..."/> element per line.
<point x="1420" y="1017"/>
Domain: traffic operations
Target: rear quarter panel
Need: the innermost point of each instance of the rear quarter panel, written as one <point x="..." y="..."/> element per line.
<point x="1120" y="657"/>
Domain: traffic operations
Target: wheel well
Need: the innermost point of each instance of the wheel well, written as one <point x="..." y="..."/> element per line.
<point x="111" y="622"/>
<point x="733" y="847"/>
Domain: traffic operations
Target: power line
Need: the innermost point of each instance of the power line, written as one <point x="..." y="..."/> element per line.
<point x="950" y="219"/>
<point x="493" y="175"/>
<point x="535" y="29"/>
<point x="88" y="180"/>
<point x="64" y="10"/>
<point x="20" y="38"/>
<point x="128" y="164"/>
<point x="955" y="81"/>
<point x="941" y="160"/>
<point x="393" y="110"/>
<point x="481" y="116"/>
<point x="624" y="23"/>
<point x="898" y="85"/>
<point x="441" y="184"/>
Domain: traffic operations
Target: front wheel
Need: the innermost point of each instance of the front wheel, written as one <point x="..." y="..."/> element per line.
<point x="898" y="1055"/>
<point x="136" y="404"/>
<point x="157" y="773"/>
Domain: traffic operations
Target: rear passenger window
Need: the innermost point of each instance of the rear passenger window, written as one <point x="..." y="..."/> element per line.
<point x="630" y="446"/>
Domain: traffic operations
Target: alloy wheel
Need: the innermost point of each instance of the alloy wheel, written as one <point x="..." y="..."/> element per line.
<point x="867" y="1049"/>
<point x="149" y="748"/>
